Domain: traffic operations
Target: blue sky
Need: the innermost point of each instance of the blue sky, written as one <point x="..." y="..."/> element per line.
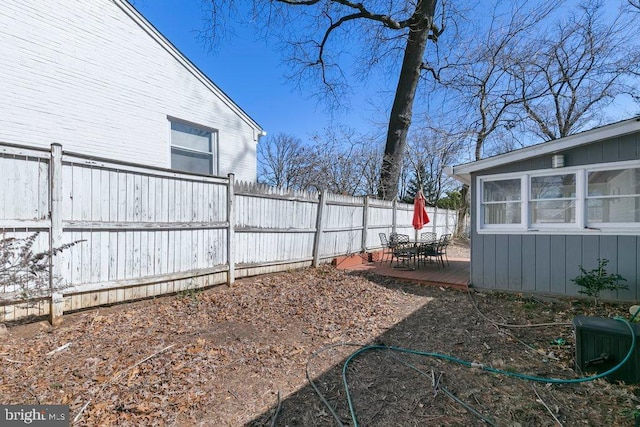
<point x="252" y="73"/>
<point x="249" y="71"/>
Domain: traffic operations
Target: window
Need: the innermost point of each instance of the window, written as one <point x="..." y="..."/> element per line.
<point x="613" y="196"/>
<point x="553" y="199"/>
<point x="501" y="201"/>
<point x="193" y="149"/>
<point x="604" y="197"/>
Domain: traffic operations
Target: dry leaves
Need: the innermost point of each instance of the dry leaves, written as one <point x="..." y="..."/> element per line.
<point x="220" y="357"/>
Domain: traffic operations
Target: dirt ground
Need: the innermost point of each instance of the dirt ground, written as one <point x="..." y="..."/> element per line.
<point x="224" y="355"/>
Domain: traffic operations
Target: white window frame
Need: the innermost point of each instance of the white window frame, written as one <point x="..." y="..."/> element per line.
<point x="581" y="225"/>
<point x="480" y="204"/>
<point x="606" y="225"/>
<point x="214" y="153"/>
<point x="578" y="202"/>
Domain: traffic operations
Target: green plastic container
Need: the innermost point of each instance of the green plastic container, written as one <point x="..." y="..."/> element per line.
<point x="603" y="343"/>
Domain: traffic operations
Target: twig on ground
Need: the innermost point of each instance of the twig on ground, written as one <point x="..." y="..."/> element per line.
<point x="539" y="400"/>
<point x="436" y="384"/>
<point x="275" y="415"/>
<point x="467" y="407"/>
<point x="62" y="347"/>
<point x="233" y="394"/>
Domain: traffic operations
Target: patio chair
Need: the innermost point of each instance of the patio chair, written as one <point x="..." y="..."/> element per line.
<point x="430" y="252"/>
<point x="387" y="246"/>
<point x="403" y="251"/>
<point x="428" y="237"/>
<point x="437" y="251"/>
<point x="446" y="241"/>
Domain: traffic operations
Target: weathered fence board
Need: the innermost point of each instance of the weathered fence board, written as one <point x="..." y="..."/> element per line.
<point x="145" y="231"/>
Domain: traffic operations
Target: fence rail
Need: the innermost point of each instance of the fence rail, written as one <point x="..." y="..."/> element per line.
<point x="149" y="231"/>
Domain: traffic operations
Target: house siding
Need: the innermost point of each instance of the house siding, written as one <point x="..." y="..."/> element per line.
<point x="547" y="263"/>
<point x="86" y="75"/>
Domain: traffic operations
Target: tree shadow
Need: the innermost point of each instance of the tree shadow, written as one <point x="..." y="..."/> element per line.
<point x="390" y="387"/>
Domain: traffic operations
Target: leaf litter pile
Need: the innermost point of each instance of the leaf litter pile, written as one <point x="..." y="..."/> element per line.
<point x="243" y="355"/>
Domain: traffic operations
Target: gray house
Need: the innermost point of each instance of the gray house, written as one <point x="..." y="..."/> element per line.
<point x="540" y="212"/>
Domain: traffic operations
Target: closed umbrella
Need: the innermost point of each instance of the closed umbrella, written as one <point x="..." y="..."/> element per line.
<point x="420" y="217"/>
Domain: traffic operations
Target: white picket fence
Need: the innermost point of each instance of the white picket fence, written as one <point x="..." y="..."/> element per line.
<point x="147" y="231"/>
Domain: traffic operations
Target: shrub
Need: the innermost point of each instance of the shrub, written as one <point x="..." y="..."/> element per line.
<point x="597" y="280"/>
<point x="24" y="274"/>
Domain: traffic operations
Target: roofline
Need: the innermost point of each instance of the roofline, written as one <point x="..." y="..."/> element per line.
<point x="150" y="29"/>
<point x="463" y="172"/>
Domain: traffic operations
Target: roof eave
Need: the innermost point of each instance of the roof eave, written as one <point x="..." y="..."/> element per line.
<point x="622" y="128"/>
<point x="464" y="178"/>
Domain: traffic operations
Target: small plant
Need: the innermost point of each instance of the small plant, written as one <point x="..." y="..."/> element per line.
<point x="597" y="280"/>
<point x="24" y="274"/>
<point x="190" y="293"/>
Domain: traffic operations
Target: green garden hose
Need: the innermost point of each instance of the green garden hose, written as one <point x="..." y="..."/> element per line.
<point x="481" y="366"/>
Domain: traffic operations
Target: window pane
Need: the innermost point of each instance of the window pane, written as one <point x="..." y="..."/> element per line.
<point x="614" y="209"/>
<point x="502" y="213"/>
<point x="553" y="187"/>
<point x="614" y="183"/>
<point x="500" y="191"/>
<point x="190" y="137"/>
<point x="553" y="212"/>
<point x="190" y="161"/>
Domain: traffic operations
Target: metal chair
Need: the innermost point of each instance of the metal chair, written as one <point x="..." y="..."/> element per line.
<point x="436" y="251"/>
<point x="428" y="237"/>
<point x="403" y="251"/>
<point x="387" y="248"/>
<point x="446" y="240"/>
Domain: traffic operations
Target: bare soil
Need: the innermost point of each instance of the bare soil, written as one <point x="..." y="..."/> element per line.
<point x="222" y="357"/>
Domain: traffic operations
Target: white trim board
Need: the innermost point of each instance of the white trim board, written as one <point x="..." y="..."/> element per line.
<point x="463" y="172"/>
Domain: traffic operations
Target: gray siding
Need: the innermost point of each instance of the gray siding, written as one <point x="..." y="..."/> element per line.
<point x="547" y="263"/>
<point x="619" y="149"/>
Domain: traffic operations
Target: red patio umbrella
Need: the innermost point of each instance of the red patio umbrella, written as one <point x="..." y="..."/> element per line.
<point x="420" y="217"/>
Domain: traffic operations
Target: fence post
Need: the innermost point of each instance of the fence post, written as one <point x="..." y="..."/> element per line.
<point x="231" y="218"/>
<point x="56" y="307"/>
<point x="394" y="216"/>
<point x="435" y="220"/>
<point x="365" y="223"/>
<point x="446" y="222"/>
<point x="316" y="243"/>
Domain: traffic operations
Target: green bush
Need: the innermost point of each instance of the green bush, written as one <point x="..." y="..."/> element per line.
<point x="597" y="280"/>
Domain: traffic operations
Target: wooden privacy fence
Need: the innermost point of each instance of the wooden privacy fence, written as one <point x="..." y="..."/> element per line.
<point x="147" y="231"/>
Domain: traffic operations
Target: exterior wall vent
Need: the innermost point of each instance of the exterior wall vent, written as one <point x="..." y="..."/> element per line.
<point x="557" y="161"/>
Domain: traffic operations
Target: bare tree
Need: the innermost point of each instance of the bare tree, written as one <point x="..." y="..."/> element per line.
<point x="316" y="44"/>
<point x="345" y="162"/>
<point x="283" y="161"/>
<point x="430" y="150"/>
<point x="339" y="160"/>
<point x="478" y="80"/>
<point x="634" y="4"/>
<point x="582" y="67"/>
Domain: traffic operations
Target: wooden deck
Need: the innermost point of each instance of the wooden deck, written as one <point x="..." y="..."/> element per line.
<point x="455" y="275"/>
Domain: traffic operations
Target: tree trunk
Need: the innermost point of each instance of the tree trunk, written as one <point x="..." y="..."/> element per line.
<point x="402" y="110"/>
<point x="463" y="212"/>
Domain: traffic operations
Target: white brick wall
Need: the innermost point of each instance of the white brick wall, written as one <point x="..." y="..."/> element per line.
<point x="85" y="74"/>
